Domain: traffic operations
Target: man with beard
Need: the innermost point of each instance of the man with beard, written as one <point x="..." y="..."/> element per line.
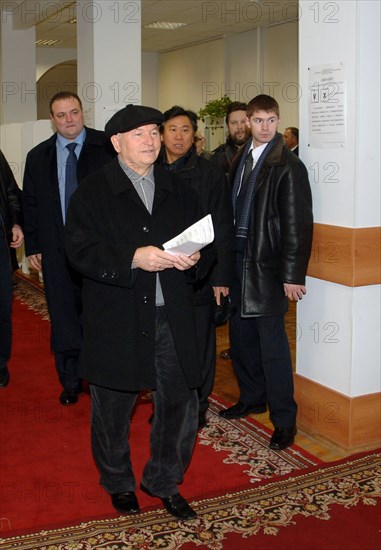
<point x="238" y="134"/>
<point x="225" y="153"/>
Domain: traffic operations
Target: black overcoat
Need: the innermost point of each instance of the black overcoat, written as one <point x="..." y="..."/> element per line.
<point x="280" y="232"/>
<point x="10" y="206"/>
<point x="214" y="195"/>
<point x="106" y="223"/>
<point x="44" y="231"/>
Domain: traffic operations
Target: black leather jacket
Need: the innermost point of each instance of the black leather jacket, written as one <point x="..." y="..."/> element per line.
<point x="280" y="233"/>
<point x="10" y="205"/>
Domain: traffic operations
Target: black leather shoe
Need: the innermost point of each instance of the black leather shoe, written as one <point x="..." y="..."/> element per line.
<point x="68" y="397"/>
<point x="225" y="354"/>
<point x="125" y="503"/>
<point x="176" y="505"/>
<point x="282" y="438"/>
<point x="4" y="377"/>
<point x="202" y="422"/>
<point x="239" y="410"/>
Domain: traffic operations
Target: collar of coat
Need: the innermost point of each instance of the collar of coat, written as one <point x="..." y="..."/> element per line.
<point x="93" y="137"/>
<point x="119" y="182"/>
<point x="276" y="156"/>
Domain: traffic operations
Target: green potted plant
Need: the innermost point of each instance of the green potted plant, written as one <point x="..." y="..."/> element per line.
<point x="215" y="110"/>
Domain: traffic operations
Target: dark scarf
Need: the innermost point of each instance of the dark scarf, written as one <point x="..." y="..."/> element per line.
<point x="242" y="225"/>
<point x="178" y="164"/>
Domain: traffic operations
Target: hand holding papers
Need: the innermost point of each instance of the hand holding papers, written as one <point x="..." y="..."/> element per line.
<point x="192" y="239"/>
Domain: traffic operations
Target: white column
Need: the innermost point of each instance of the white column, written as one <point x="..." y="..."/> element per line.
<point x="18" y="69"/>
<point x="109" y="57"/>
<point x="339" y="324"/>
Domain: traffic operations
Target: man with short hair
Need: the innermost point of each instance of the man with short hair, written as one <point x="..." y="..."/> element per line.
<point x="179" y="155"/>
<point x="52" y="170"/>
<point x="238" y="134"/>
<point x="139" y="322"/>
<point x="291" y="137"/>
<point x="273" y="217"/>
<point x="11" y="237"/>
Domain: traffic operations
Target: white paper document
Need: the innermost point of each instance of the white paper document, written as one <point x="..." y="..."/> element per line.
<point x="192" y="239"/>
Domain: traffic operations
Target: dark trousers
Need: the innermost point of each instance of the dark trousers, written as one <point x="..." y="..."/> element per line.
<point x="5" y="300"/>
<point x="173" y="430"/>
<point x="262" y="362"/>
<point x="206" y="344"/>
<point x="63" y="289"/>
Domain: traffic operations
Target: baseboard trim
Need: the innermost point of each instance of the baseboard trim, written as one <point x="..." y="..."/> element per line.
<point x="349" y="424"/>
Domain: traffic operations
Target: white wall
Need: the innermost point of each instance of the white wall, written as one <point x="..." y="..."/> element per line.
<point x="243" y="65"/>
<point x="240" y="66"/>
<point x="19" y="138"/>
<point x="187" y="77"/>
<point x="368" y="200"/>
<point x="281" y="71"/>
<point x="338" y="337"/>
<point x="347" y="33"/>
<point x="330" y="39"/>
<point x="149" y="79"/>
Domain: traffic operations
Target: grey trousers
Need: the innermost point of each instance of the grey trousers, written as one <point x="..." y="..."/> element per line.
<point x="173" y="430"/>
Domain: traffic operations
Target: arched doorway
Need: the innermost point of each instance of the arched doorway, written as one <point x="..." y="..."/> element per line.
<point x="61" y="77"/>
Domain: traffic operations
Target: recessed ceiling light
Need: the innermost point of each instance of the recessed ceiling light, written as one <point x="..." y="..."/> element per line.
<point x="47" y="42"/>
<point x="165" y="25"/>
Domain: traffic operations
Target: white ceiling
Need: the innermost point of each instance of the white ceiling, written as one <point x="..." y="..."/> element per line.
<point x="205" y="20"/>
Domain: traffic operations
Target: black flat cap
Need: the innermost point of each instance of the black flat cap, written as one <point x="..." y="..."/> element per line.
<point x="130" y="117"/>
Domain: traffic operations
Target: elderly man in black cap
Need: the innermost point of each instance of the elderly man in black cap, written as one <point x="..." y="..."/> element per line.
<point x="138" y="318"/>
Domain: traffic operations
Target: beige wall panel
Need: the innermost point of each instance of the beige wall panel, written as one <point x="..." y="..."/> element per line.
<point x="351" y="424"/>
<point x="346" y="255"/>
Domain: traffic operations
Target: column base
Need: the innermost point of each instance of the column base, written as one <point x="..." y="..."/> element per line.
<point x="351" y="424"/>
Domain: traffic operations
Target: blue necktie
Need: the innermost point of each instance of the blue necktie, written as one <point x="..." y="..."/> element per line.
<point x="71" y="182"/>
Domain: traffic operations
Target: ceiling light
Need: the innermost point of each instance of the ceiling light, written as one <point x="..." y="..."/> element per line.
<point x="47" y="42"/>
<point x="165" y="25"/>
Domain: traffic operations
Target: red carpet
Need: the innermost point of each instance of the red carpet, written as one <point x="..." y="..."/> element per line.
<point x="49" y="481"/>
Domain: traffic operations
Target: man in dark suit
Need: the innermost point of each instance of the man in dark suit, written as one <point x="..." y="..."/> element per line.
<point x="139" y="321"/>
<point x="273" y="212"/>
<point x="52" y="171"/>
<point x="11" y="237"/>
<point x="238" y="134"/>
<point x="214" y="193"/>
<point x="291" y="137"/>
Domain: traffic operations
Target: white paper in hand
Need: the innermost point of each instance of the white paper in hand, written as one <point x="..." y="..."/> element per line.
<point x="192" y="239"/>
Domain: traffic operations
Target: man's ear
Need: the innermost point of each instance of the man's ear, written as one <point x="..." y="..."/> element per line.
<point x="115" y="142"/>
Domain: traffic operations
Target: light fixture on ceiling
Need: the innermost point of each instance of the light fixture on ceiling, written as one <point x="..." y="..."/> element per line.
<point x="47" y="42"/>
<point x="165" y="25"/>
